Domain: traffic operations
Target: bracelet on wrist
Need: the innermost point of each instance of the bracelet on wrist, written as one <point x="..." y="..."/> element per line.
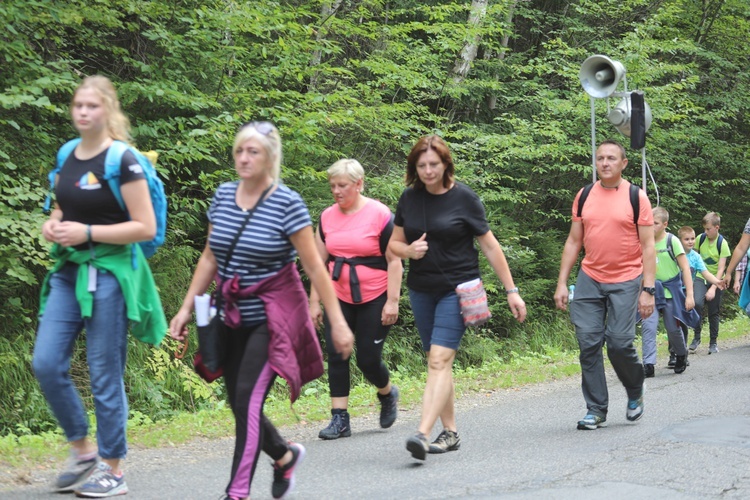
<point x="512" y="290"/>
<point x="88" y="233"/>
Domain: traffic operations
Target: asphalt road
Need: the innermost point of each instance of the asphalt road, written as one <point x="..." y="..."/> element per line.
<point x="693" y="442"/>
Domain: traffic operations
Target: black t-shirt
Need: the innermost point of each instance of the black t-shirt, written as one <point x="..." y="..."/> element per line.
<point x="451" y="221"/>
<point x="84" y="196"/>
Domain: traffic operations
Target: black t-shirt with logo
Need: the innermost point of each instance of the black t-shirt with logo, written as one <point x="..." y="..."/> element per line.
<point x="84" y="196"/>
<point x="451" y="220"/>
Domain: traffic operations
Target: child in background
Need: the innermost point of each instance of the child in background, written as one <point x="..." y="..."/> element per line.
<point x="687" y="238"/>
<point x="672" y="303"/>
<point x="714" y="249"/>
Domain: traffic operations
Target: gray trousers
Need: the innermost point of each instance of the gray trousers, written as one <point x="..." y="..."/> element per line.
<point x="707" y="308"/>
<point x="649" y="327"/>
<point x="606" y="312"/>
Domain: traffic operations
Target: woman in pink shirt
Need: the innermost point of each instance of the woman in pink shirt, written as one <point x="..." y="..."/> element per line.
<point x="352" y="238"/>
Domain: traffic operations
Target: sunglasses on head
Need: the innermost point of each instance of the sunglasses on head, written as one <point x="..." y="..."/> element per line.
<point x="264" y="128"/>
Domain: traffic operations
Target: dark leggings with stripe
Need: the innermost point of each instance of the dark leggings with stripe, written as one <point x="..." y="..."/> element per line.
<point x="248" y="378"/>
<point x="369" y="335"/>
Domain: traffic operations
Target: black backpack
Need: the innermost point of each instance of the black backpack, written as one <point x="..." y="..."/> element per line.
<point x="702" y="239"/>
<point x="635" y="201"/>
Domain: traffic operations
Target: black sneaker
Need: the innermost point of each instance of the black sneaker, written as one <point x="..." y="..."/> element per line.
<point x="339" y="426"/>
<point x="648" y="370"/>
<point x="680" y="364"/>
<point x="418" y="445"/>
<point x="672" y="360"/>
<point x="283" y="477"/>
<point x="446" y="441"/>
<point x="388" y="407"/>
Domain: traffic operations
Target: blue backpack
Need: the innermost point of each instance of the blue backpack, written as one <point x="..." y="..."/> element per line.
<point x="112" y="176"/>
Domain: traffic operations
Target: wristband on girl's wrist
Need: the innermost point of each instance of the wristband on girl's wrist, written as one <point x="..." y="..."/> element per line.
<point x="88" y="233"/>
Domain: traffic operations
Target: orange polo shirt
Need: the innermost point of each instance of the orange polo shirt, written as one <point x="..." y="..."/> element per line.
<point x="610" y="238"/>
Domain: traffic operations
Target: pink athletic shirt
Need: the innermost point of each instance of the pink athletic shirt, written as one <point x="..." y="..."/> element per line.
<point x="356" y="235"/>
<point x="613" y="249"/>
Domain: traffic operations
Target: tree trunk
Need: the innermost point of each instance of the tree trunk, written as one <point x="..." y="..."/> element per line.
<point x="327" y="10"/>
<point x="469" y="52"/>
<point x="711" y="10"/>
<point x="492" y="99"/>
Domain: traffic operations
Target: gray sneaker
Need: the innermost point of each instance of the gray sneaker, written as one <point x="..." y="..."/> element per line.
<point x="76" y="471"/>
<point x="339" y="426"/>
<point x="694" y="344"/>
<point x="102" y="483"/>
<point x="635" y="407"/>
<point x="446" y="441"/>
<point x="592" y="422"/>
<point x="713" y="349"/>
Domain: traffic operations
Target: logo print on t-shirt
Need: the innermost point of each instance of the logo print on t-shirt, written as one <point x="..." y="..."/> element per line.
<point x="88" y="182"/>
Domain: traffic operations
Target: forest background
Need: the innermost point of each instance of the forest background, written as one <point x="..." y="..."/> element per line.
<point x="364" y="79"/>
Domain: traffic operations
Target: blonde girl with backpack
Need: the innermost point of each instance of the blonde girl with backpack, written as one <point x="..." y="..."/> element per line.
<point x="99" y="281"/>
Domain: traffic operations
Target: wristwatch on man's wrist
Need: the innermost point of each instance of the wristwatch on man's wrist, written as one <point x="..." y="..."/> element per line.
<point x="649" y="290"/>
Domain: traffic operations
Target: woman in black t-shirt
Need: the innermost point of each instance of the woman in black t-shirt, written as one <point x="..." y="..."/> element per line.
<point x="437" y="220"/>
<point x="92" y="236"/>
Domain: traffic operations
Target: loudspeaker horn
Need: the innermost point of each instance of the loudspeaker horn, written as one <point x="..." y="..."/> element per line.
<point x="600" y="75"/>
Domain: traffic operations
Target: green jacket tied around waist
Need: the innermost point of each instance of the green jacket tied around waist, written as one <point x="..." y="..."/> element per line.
<point x="142" y="300"/>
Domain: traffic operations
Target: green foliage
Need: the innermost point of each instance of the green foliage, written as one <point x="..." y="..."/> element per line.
<point x="363" y="82"/>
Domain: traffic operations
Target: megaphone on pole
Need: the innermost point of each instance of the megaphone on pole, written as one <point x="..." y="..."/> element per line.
<point x="600" y="75"/>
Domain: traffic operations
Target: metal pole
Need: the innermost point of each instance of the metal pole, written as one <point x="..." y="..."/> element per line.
<point x="593" y="140"/>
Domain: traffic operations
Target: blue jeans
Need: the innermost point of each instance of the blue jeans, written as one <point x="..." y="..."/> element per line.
<point x="649" y="327"/>
<point x="438" y="318"/>
<point x="106" y="353"/>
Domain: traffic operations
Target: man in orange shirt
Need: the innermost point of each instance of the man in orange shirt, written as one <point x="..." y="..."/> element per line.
<point x="616" y="279"/>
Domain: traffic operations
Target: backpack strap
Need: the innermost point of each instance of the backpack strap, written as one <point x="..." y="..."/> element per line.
<point x="385" y="235"/>
<point x="62" y="154"/>
<point x="112" y="165"/>
<point x="670" y="250"/>
<point x="582" y="199"/>
<point x="635" y="202"/>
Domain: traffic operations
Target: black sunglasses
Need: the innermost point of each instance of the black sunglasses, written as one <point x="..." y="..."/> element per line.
<point x="264" y="128"/>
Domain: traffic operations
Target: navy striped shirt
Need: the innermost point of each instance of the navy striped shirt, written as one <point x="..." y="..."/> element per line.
<point x="264" y="246"/>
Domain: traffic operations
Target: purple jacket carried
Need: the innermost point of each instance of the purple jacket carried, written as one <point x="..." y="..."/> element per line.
<point x="293" y="350"/>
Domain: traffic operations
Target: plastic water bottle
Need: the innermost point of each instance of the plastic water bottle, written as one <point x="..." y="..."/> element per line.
<point x="571" y="292"/>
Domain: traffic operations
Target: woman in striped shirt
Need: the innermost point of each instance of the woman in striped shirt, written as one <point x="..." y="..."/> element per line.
<point x="278" y="230"/>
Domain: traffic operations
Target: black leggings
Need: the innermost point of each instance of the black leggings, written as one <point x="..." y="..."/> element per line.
<point x="369" y="335"/>
<point x="248" y="378"/>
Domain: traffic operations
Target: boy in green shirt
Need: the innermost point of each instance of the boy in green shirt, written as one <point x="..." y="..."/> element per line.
<point x="672" y="271"/>
<point x="714" y="249"/>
